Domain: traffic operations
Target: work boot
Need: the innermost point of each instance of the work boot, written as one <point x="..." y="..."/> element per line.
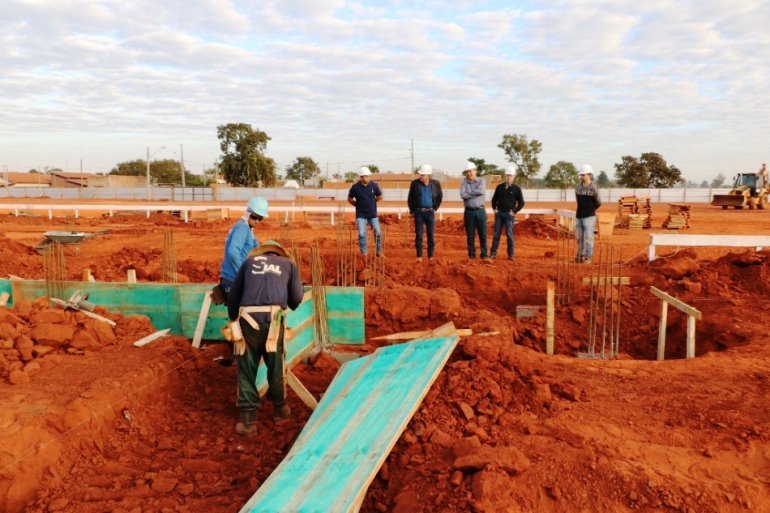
<point x="247" y="422"/>
<point x="281" y="412"/>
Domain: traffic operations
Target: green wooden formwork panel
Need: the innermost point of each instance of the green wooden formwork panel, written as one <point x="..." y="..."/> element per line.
<point x="345" y="311"/>
<point x="159" y="302"/>
<point x="353" y="429"/>
<point x="190" y="302"/>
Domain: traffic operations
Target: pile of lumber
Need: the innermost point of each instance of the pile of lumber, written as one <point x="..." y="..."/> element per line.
<point x="678" y="216"/>
<point x="634" y="212"/>
<point x="635" y="222"/>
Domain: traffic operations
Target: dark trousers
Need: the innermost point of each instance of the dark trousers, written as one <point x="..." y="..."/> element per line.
<point x="248" y="363"/>
<point x="503" y="219"/>
<point x="476" y="221"/>
<point x="425" y="218"/>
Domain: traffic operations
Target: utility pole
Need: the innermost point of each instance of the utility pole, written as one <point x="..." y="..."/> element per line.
<point x="82" y="179"/>
<point x="412" y="152"/>
<point x="148" y="173"/>
<point x="181" y="162"/>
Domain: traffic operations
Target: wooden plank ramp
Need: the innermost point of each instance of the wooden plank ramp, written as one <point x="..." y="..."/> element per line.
<point x="354" y="428"/>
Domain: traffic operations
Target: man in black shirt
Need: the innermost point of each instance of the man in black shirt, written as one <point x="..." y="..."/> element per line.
<point x="506" y="202"/>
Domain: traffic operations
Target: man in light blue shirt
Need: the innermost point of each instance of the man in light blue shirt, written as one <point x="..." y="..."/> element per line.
<point x="473" y="194"/>
<point x="240" y="241"/>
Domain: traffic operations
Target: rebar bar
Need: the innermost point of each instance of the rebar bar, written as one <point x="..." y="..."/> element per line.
<point x="607" y="269"/>
<point x="54" y="270"/>
<point x="168" y="258"/>
<point x="318" y="280"/>
<point x="620" y="306"/>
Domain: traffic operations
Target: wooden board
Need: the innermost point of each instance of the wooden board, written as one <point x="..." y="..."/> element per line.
<point x="679" y="305"/>
<point x="410" y="335"/>
<point x="353" y="429"/>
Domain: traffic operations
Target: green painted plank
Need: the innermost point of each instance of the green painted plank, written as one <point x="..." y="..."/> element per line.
<point x="355" y="426"/>
<point x="346" y="331"/>
<point x="345" y="310"/>
<point x="298" y="316"/>
<point x="345" y="298"/>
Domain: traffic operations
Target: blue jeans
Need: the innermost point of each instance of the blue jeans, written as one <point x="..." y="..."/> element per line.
<point x="503" y="219"/>
<point x="584" y="233"/>
<point x="428" y="219"/>
<point x="361" y="226"/>
<point x="476" y="221"/>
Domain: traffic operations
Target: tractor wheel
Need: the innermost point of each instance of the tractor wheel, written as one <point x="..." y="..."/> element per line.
<point x="724" y="207"/>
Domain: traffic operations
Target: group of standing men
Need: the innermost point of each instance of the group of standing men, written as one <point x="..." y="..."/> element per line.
<point x="259" y="282"/>
<point x="425" y="197"/>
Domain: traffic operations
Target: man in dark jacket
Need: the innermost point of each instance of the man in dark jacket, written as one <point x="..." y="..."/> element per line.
<point x="588" y="200"/>
<point x="266" y="284"/>
<point x="506" y="202"/>
<point x="424" y="199"/>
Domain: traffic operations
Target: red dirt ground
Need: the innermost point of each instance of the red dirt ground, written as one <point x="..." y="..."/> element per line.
<point x="89" y="423"/>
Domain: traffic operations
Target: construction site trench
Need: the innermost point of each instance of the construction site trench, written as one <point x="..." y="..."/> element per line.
<point x="90" y="423"/>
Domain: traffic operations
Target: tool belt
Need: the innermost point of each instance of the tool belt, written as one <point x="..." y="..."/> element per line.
<point x="277" y="315"/>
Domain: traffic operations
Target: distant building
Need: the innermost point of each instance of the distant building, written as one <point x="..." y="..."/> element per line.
<point x="15" y="179"/>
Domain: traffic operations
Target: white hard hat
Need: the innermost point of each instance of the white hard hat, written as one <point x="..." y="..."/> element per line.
<point x="425" y="169"/>
<point x="511" y="171"/>
<point x="585" y="169"/>
<point x="364" y="171"/>
<point x="469" y="165"/>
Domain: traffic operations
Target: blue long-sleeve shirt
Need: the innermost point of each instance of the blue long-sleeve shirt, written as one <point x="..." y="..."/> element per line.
<point x="239" y="242"/>
<point x="472" y="192"/>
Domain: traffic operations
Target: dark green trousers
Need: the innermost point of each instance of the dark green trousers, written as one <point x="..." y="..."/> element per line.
<point x="248" y="396"/>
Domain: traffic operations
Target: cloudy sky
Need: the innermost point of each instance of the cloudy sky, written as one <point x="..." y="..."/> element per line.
<point x="353" y="82"/>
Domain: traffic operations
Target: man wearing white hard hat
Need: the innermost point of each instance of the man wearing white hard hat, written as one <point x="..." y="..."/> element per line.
<point x="364" y="195"/>
<point x="588" y="200"/>
<point x="506" y="202"/>
<point x="424" y="199"/>
<point x="240" y="240"/>
<point x="473" y="194"/>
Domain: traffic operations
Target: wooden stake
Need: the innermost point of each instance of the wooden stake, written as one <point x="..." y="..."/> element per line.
<point x="690" y="336"/>
<point x="4" y="297"/>
<point x="299" y="389"/>
<point x="151" y="338"/>
<point x="662" y="330"/>
<point x="202" y="316"/>
<point x="131" y="276"/>
<point x="549" y="317"/>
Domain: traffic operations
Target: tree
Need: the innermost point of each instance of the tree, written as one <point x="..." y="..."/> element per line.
<point x="603" y="180"/>
<point x="483" y="169"/>
<point x="351" y="176"/>
<point x="243" y="160"/>
<point x="161" y="171"/>
<point x="562" y="175"/>
<point x="718" y="181"/>
<point x="523" y="154"/>
<point x="373" y="168"/>
<point x="302" y="169"/>
<point x="649" y="171"/>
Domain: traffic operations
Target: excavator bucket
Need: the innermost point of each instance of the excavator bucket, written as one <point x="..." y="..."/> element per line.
<point x="728" y="200"/>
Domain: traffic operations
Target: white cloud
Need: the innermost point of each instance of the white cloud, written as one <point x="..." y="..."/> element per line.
<point x="346" y="81"/>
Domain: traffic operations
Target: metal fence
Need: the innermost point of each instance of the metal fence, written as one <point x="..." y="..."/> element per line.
<point x="238" y="194"/>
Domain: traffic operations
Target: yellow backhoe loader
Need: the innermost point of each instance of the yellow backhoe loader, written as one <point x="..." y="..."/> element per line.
<point x="749" y="189"/>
